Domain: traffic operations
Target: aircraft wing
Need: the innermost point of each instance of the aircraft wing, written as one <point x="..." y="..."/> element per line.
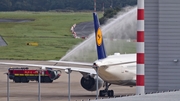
<point x="82" y="70"/>
<point x="73" y="63"/>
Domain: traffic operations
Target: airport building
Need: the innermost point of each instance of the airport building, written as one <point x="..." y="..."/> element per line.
<point x="162" y="45"/>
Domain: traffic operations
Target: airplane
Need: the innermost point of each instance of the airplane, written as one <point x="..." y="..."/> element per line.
<point x="118" y="69"/>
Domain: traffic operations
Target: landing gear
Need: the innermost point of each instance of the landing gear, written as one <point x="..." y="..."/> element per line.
<point x="107" y="92"/>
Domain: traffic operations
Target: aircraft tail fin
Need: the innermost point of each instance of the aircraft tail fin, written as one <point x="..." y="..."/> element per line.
<point x="99" y="38"/>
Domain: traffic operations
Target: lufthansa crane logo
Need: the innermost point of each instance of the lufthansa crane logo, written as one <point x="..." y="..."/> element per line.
<point x="99" y="37"/>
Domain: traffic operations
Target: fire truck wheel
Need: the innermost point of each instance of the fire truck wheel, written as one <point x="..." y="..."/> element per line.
<point x="17" y="79"/>
<point x="47" y="80"/>
<point x="27" y="81"/>
<point x="42" y="79"/>
<point x="24" y="80"/>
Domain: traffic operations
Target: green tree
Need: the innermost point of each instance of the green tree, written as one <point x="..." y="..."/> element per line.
<point x="5" y="5"/>
<point x="109" y="13"/>
<point x="45" y="5"/>
<point x="85" y="5"/>
<point x="57" y="4"/>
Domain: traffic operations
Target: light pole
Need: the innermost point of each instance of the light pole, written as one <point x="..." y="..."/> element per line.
<point x="94" y="5"/>
<point x="97" y="83"/>
<point x="7" y="86"/>
<point x="96" y="68"/>
<point x="39" y="85"/>
<point x="68" y="71"/>
<point x="111" y="4"/>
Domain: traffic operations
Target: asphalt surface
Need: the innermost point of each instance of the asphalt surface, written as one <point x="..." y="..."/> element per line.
<point x="84" y="29"/>
<point x="2" y="42"/>
<point x="56" y="91"/>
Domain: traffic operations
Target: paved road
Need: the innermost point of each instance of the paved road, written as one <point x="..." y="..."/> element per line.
<point x="2" y="42"/>
<point x="56" y="91"/>
<point x="84" y="29"/>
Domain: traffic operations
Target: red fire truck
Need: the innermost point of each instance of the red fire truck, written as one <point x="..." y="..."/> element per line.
<point x="24" y="75"/>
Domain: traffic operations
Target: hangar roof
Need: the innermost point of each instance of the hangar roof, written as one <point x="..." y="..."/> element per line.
<point x="163" y="96"/>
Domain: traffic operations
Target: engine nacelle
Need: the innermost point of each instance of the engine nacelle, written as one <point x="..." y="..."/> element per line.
<point x="89" y="83"/>
<point x="54" y="74"/>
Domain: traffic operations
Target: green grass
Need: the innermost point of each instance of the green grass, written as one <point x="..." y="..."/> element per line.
<point x="51" y="30"/>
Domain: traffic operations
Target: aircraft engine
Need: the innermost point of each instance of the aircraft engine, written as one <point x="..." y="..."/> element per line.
<point x="89" y="83"/>
<point x="54" y="74"/>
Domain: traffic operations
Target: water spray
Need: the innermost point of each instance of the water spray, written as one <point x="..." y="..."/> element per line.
<point x="115" y="33"/>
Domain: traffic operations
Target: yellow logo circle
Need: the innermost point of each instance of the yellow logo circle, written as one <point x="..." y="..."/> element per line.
<point x="99" y="37"/>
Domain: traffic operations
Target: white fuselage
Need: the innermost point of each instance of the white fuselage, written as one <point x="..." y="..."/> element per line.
<point x="122" y="72"/>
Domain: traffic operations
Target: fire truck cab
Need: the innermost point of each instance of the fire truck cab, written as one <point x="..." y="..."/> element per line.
<point x="24" y="75"/>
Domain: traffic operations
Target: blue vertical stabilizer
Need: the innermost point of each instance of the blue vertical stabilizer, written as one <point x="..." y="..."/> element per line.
<point x="99" y="38"/>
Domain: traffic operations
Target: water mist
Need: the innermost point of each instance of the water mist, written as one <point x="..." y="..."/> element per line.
<point x="116" y="35"/>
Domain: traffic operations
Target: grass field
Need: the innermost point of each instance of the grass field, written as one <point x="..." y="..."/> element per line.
<point x="51" y="30"/>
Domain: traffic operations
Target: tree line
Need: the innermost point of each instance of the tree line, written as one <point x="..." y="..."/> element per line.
<point x="73" y="5"/>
